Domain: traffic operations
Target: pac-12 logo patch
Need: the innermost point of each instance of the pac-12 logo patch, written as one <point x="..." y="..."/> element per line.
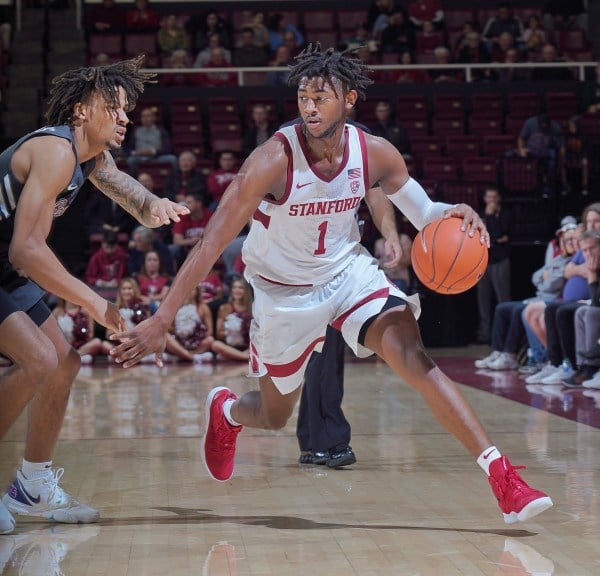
<point x="354" y="186"/>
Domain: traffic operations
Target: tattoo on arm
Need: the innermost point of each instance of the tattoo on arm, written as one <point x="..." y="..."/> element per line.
<point x="125" y="190"/>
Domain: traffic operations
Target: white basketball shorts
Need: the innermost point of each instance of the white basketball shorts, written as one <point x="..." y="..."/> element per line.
<point x="289" y="322"/>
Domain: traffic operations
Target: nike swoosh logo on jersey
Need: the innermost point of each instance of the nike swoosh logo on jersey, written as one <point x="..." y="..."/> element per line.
<point x="298" y="185"/>
<point x="71" y="187"/>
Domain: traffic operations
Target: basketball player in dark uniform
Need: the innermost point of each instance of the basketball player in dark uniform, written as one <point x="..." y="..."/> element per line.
<point x="40" y="176"/>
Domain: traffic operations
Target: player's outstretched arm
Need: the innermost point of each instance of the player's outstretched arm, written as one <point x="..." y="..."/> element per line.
<point x="47" y="166"/>
<point x="127" y="192"/>
<point x="262" y="173"/>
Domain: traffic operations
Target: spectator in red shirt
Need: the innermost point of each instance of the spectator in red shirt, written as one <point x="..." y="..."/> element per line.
<point x="422" y="11"/>
<point x="141" y="18"/>
<point x="218" y="60"/>
<point x="219" y="179"/>
<point x="153" y="281"/>
<point x="189" y="230"/>
<point x="105" y="18"/>
<point x="108" y="265"/>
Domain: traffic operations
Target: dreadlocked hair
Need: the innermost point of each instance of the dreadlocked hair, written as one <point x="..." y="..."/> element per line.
<point x="78" y="85"/>
<point x="346" y="66"/>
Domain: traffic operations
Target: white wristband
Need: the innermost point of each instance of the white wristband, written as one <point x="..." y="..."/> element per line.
<point x="416" y="205"/>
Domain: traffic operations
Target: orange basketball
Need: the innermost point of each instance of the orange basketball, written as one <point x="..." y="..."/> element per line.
<point x="446" y="259"/>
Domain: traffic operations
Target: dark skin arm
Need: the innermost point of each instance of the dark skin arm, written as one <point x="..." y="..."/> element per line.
<point x="262" y="173"/>
<point x="46" y="164"/>
<point x="127" y="192"/>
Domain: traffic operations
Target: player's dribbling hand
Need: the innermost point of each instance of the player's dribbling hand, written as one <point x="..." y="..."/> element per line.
<point x="163" y="211"/>
<point x="471" y="221"/>
<point x="146" y="338"/>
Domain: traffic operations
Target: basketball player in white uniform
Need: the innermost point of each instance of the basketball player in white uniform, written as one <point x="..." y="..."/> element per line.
<point x="308" y="270"/>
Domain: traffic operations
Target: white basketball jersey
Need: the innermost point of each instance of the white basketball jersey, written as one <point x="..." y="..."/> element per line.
<point x="310" y="234"/>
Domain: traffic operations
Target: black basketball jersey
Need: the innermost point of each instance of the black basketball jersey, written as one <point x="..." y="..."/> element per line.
<point x="11" y="188"/>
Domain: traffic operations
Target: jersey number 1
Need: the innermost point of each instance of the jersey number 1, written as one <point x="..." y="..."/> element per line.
<point x="322" y="231"/>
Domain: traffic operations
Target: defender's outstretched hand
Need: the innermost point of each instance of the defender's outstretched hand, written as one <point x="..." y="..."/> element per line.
<point x="163" y="211"/>
<point x="471" y="220"/>
<point x="148" y="337"/>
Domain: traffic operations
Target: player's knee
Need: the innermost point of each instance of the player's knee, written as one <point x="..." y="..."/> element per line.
<point x="41" y="362"/>
<point x="71" y="363"/>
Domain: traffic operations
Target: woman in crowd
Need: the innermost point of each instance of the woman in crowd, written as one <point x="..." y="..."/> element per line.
<point x="153" y="281"/>
<point x="193" y="327"/>
<point x="233" y="323"/>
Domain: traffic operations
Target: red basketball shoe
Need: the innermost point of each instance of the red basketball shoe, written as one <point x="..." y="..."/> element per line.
<point x="517" y="500"/>
<point x="220" y="436"/>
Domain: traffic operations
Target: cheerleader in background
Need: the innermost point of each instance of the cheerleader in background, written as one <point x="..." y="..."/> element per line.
<point x="233" y="323"/>
<point x="133" y="310"/>
<point x="193" y="327"/>
<point x="78" y="327"/>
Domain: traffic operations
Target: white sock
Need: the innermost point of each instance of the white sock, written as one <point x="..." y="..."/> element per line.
<point x="227" y="412"/>
<point x="36" y="470"/>
<point x="487" y="457"/>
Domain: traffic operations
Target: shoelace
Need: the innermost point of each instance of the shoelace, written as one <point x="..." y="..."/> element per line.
<point x="226" y="436"/>
<point x="515" y="479"/>
<point x="57" y="494"/>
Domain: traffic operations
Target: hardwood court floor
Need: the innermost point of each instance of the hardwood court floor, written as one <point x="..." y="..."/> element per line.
<point x="414" y="504"/>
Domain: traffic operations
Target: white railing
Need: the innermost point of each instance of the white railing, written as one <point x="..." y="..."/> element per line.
<point x="466" y="68"/>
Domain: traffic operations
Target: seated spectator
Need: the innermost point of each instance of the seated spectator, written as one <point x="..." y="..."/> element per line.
<point x="422" y="11"/>
<point x="212" y="287"/>
<point x="475" y="52"/>
<point x="461" y="41"/>
<point x="542" y="138"/>
<point x="105" y="18"/>
<point x="282" y="58"/>
<point x="247" y="53"/>
<point x="386" y="127"/>
<point x="591" y="93"/>
<point x="202" y="26"/>
<point x="233" y="324"/>
<point x="534" y="37"/>
<point x="142" y="240"/>
<point x="574" y="159"/>
<point x="378" y="16"/>
<point x="508" y="330"/>
<point x="277" y="26"/>
<point x="179" y="59"/>
<point x="398" y="35"/>
<point x="190" y="228"/>
<point x="108" y="265"/>
<point x="193" y="327"/>
<point x="186" y="180"/>
<point x="360" y="37"/>
<point x="205" y="55"/>
<point x="218" y="60"/>
<point x="141" y="18"/>
<point x="407" y="76"/>
<point x="153" y="281"/>
<point x="101" y="214"/>
<point x="512" y="74"/>
<point x="78" y="328"/>
<point x="500" y="48"/>
<point x="172" y="36"/>
<point x="218" y="179"/>
<point x="440" y="75"/>
<point x="559" y="14"/>
<point x="256" y="22"/>
<point x="503" y="21"/>
<point x="260" y="131"/>
<point x="558" y="74"/>
<point x="553" y="248"/>
<point x="587" y="319"/>
<point x="554" y="327"/>
<point x="150" y="142"/>
<point x="290" y="40"/>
